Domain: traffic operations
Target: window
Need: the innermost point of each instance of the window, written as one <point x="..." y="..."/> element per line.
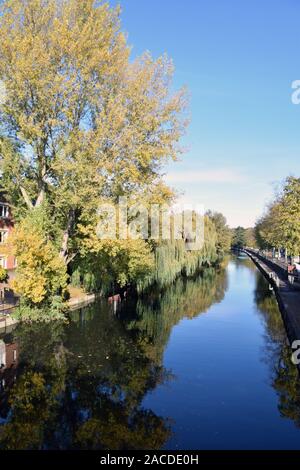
<point x="2" y="354"/>
<point x="3" y="236"/>
<point x="3" y="262"/>
<point x="3" y="211"/>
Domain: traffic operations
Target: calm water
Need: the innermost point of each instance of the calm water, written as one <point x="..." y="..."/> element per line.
<point x="203" y="366"/>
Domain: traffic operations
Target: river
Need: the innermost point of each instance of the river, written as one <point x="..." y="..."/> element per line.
<point x="204" y="365"/>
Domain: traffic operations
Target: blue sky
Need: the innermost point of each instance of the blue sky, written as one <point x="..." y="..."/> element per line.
<point x="238" y="60"/>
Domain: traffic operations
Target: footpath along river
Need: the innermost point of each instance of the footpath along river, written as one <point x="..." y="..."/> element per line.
<point x="204" y="365"/>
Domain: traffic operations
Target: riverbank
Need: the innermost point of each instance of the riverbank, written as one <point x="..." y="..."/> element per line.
<point x="6" y="322"/>
<point x="288" y="295"/>
<point x="74" y="303"/>
<point x="82" y="301"/>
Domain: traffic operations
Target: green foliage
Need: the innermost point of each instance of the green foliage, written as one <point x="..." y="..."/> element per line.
<point x="279" y="227"/>
<point x="30" y="402"/>
<point x="284" y="374"/>
<point x="41" y="272"/>
<point x="161" y="310"/>
<point x="250" y="237"/>
<point x="224" y="234"/>
<point x="88" y="122"/>
<point x="239" y="238"/>
<point x="53" y="310"/>
<point x="87" y="125"/>
<point x="3" y="274"/>
<point x="97" y="358"/>
<point x="172" y="258"/>
<point x="104" y="263"/>
<point x="88" y="276"/>
<point x="111" y="364"/>
<point x="243" y="237"/>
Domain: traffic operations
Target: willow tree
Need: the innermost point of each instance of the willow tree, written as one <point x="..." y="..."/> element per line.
<point x="224" y="234"/>
<point x="82" y="122"/>
<point x="175" y="257"/>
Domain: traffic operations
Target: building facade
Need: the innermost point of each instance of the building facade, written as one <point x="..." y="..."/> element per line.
<point x="7" y="260"/>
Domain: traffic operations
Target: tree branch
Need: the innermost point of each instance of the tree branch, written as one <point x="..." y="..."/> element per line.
<point x="64" y="252"/>
<point x="40" y="198"/>
<point x="26" y="197"/>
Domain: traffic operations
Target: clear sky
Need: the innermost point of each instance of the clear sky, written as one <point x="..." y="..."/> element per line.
<point x="238" y="59"/>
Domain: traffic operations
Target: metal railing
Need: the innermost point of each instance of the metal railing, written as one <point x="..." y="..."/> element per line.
<point x="8" y="304"/>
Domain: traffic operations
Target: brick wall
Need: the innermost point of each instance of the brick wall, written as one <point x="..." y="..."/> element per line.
<point x="7" y="260"/>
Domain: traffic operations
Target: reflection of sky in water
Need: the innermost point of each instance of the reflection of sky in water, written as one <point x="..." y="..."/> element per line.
<point x="222" y="396"/>
<point x="198" y="360"/>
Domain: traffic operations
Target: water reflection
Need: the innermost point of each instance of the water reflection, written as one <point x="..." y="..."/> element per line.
<point x="151" y="320"/>
<point x="81" y="386"/>
<point x="8" y="369"/>
<point x="284" y="374"/>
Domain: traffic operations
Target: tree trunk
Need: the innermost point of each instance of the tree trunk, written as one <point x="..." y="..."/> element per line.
<point x="26" y="198"/>
<point x="64" y="250"/>
<point x="40" y="198"/>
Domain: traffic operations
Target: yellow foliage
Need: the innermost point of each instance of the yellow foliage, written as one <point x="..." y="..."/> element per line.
<point x="94" y="120"/>
<point x="40" y="272"/>
<point x="280" y="225"/>
<point x="88" y="123"/>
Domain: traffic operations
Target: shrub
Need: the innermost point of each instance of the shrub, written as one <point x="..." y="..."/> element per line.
<point x="3" y="274"/>
<point x="41" y="272"/>
<point x="54" y="311"/>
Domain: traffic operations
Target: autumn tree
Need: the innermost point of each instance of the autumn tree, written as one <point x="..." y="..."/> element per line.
<point x="268" y="228"/>
<point x="82" y="122"/>
<point x="288" y="221"/>
<point x="279" y="227"/>
<point x="250" y="237"/>
<point x="41" y="273"/>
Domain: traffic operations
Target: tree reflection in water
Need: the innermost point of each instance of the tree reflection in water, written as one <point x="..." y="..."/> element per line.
<point x="285" y="376"/>
<point x="81" y="386"/>
<point x="154" y="317"/>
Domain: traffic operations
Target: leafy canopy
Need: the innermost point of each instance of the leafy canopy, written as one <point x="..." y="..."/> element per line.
<point x="280" y="225"/>
<point x="41" y="272"/>
<point x="81" y="122"/>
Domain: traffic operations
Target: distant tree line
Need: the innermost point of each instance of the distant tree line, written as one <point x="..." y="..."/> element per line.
<point x="243" y="237"/>
<point x="279" y="227"/>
